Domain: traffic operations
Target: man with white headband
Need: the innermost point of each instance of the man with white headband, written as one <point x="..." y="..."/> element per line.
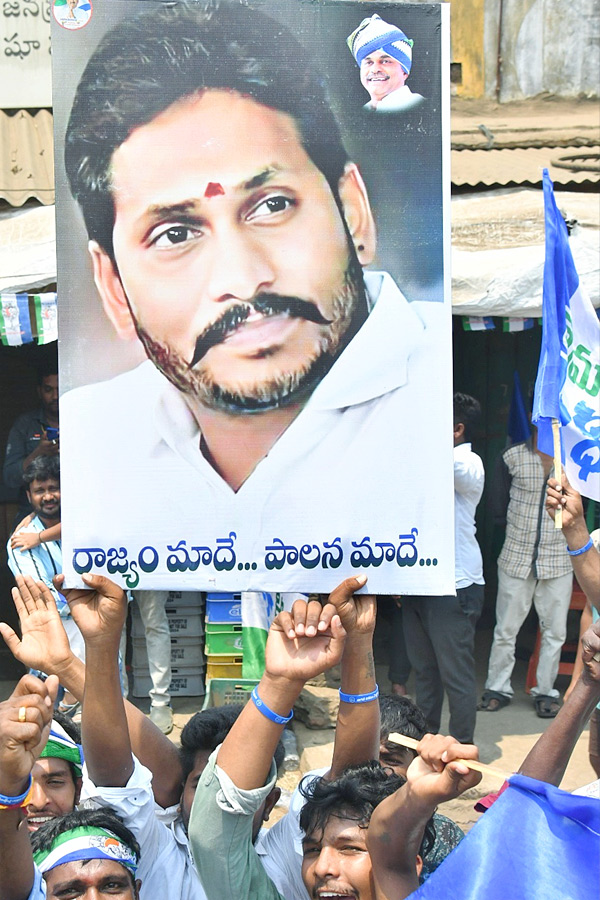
<point x="384" y="54"/>
<point x="87" y="853"/>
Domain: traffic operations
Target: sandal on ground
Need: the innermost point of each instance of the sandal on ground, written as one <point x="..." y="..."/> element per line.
<point x="492" y="701"/>
<point x="546" y="707"/>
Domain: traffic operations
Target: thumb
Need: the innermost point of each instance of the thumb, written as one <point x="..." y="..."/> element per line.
<point x="338" y="632"/>
<point x="52" y="687"/>
<point x="58" y="580"/>
<point x="10" y="638"/>
<point x="346" y="590"/>
<point x="103" y="585"/>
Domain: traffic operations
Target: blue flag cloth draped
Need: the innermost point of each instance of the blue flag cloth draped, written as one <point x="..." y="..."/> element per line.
<point x="518" y="420"/>
<point x="568" y="379"/>
<point x="535" y="843"/>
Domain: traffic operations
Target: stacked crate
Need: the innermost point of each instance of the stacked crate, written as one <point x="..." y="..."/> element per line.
<point x="184" y="613"/>
<point x="224" y="650"/>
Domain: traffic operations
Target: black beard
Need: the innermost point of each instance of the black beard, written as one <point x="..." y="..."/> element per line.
<point x="287" y="388"/>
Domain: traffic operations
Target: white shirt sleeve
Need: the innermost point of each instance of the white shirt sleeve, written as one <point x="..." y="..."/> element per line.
<point x="280" y="847"/>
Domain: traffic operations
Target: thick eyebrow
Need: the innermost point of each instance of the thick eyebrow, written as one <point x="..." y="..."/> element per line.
<point x="187" y="209"/>
<point x="261" y="177"/>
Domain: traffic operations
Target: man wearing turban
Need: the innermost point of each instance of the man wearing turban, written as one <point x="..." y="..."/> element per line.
<point x="384" y="54"/>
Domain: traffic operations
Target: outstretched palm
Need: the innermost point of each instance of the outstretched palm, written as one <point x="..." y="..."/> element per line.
<point x="44" y="644"/>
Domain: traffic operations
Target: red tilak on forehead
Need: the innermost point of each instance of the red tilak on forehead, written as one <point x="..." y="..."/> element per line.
<point x="213" y="189"/>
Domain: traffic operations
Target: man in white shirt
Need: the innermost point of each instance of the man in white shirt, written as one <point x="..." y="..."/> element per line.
<point x="275" y="369"/>
<point x="384" y="54"/>
<point x="440" y="631"/>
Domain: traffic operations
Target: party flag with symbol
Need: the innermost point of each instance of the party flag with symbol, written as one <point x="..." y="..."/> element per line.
<point x="567" y="387"/>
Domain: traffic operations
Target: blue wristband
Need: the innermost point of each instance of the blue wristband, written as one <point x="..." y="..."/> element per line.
<point x="360" y="698"/>
<point x="268" y="713"/>
<point x="581" y="550"/>
<point x="16" y="801"/>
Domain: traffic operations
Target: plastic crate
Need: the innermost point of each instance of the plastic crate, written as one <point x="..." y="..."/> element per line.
<point x="223" y="608"/>
<point x="227" y="691"/>
<point x="223" y="666"/>
<point x="184" y="621"/>
<point x="190" y="599"/>
<point x="186" y="651"/>
<point x="184" y="683"/>
<point x="222" y="638"/>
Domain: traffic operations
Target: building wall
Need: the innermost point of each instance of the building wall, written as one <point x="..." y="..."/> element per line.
<point x="546" y="46"/>
<point x="467" y="19"/>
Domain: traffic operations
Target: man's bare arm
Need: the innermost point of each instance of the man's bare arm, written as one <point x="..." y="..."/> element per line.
<point x="44" y="646"/>
<point x="397" y="825"/>
<point x="550" y="755"/>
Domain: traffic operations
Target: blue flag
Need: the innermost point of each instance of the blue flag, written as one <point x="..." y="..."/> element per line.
<point x="518" y="420"/>
<point x="535" y="843"/>
<point x="567" y="387"/>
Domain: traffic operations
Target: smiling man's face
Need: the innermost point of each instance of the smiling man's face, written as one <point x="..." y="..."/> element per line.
<point x="380" y="74"/>
<point x="234" y="265"/>
<point x="336" y="864"/>
<point x="44" y="496"/>
<point x="54" y="791"/>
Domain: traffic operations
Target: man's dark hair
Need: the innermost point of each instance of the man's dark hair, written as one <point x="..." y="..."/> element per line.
<point x="401" y="715"/>
<point x="106" y="817"/>
<point x="354" y="795"/>
<point x="74" y="732"/>
<point x="41" y="469"/>
<point x="144" y="65"/>
<point x="468" y="411"/>
<point x="45" y="371"/>
<point x="209" y="728"/>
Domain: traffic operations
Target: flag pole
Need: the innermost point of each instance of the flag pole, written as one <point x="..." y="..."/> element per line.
<point x="557" y="467"/>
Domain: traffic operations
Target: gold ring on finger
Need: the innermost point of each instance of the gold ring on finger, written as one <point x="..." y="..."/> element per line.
<point x="22" y="714"/>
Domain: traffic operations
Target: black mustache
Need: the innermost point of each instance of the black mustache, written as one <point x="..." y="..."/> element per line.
<point x="267" y="305"/>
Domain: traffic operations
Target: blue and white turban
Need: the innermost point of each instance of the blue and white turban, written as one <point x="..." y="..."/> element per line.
<point x="375" y="34"/>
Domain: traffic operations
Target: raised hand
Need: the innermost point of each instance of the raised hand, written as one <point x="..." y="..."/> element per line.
<point x="356" y="611"/>
<point x="560" y="495"/>
<point x="433" y="775"/>
<point x="25" y="720"/>
<point x="44" y="644"/>
<point x="99" y="612"/>
<point x="304" y="643"/>
<point x="590" y="652"/>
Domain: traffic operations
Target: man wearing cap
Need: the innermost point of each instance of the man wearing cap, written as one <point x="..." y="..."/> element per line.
<point x="384" y="54"/>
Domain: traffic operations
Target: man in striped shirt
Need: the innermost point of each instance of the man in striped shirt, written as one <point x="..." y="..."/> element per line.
<point x="38" y="553"/>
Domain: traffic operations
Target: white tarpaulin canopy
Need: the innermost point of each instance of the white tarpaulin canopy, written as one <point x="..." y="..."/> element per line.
<point x="498" y="250"/>
<point x="27" y="249"/>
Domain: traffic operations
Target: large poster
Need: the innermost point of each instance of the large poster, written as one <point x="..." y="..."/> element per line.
<point x="255" y="360"/>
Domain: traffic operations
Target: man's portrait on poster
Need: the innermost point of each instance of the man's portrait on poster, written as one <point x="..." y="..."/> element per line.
<point x="230" y="234"/>
<point x="384" y="55"/>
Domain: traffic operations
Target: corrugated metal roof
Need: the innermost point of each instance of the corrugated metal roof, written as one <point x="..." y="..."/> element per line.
<point x="521" y="167"/>
<point x="26" y="157"/>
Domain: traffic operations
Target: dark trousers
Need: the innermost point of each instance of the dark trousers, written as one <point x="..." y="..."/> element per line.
<point x="440" y="638"/>
<point x="399" y="662"/>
